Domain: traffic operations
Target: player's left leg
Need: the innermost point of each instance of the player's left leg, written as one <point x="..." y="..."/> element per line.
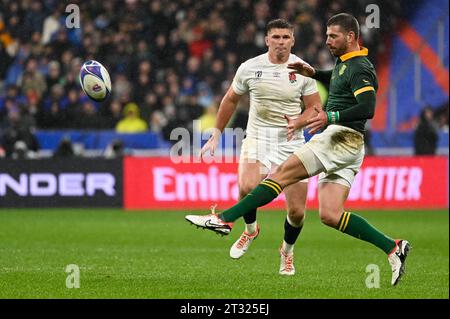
<point x="293" y="224"/>
<point x="332" y="195"/>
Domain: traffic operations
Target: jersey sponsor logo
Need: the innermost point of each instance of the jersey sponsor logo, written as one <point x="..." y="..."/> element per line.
<point x="258" y="74"/>
<point x="276" y="74"/>
<point x="342" y="69"/>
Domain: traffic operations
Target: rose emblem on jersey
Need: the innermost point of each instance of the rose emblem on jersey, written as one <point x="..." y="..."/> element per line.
<point x="292" y="77"/>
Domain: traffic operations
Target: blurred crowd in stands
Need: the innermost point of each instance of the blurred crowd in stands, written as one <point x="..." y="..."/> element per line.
<point x="170" y="61"/>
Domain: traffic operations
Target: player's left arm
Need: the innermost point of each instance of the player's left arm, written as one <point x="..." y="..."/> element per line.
<point x="363" y="84"/>
<point x="363" y="110"/>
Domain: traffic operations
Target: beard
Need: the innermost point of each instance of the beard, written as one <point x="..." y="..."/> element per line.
<point x="338" y="51"/>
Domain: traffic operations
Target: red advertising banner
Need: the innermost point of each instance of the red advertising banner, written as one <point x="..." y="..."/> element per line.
<point x="382" y="183"/>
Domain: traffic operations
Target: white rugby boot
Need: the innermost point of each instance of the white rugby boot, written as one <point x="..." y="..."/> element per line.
<point x="286" y="263"/>
<point x="210" y="222"/>
<point x="397" y="260"/>
<point x="241" y="245"/>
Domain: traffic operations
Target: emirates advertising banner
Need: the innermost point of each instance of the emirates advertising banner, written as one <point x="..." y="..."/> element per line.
<point x="382" y="183"/>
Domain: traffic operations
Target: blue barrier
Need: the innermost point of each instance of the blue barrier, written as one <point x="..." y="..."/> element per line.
<point x="94" y="140"/>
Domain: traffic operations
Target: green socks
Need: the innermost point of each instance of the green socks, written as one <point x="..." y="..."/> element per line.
<point x="358" y="227"/>
<point x="349" y="223"/>
<point x="263" y="194"/>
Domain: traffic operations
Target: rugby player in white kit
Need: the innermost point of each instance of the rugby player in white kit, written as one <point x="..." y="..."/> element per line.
<point x="277" y="97"/>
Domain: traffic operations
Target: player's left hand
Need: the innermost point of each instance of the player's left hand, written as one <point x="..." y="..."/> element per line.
<point x="318" y="122"/>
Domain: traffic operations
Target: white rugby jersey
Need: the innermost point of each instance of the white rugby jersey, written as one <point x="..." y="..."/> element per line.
<point x="273" y="92"/>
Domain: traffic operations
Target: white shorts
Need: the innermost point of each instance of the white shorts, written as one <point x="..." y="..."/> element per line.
<point x="341" y="152"/>
<point x="269" y="151"/>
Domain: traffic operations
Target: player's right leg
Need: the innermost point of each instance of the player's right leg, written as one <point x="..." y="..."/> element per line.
<point x="290" y="172"/>
<point x="250" y="174"/>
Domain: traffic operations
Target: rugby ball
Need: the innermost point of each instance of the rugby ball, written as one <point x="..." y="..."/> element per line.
<point x="95" y="80"/>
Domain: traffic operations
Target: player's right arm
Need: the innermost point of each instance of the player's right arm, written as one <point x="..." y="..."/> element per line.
<point x="226" y="109"/>
<point x="303" y="68"/>
<point x="227" y="106"/>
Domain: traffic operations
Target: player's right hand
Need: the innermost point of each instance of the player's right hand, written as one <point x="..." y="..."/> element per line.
<point x="318" y="122"/>
<point x="211" y="145"/>
<point x="301" y="67"/>
<point x="290" y="127"/>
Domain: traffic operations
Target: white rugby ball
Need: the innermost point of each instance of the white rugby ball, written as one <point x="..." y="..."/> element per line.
<point x="95" y="80"/>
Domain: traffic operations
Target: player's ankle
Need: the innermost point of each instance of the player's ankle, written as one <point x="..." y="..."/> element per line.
<point x="251" y="228"/>
<point x="287" y="248"/>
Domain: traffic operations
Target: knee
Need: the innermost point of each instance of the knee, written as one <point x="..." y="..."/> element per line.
<point x="296" y="215"/>
<point x="329" y="217"/>
<point x="246" y="188"/>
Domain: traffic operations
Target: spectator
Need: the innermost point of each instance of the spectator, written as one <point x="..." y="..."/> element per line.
<point x="54" y="74"/>
<point x="21" y="151"/>
<point x="51" y="25"/>
<point x="149" y="105"/>
<point x="425" y="135"/>
<point x="64" y="149"/>
<point x="112" y="112"/>
<point x="159" y="123"/>
<point x="114" y="150"/>
<point x="54" y="117"/>
<point x="14" y="131"/>
<point x="12" y="95"/>
<point x="132" y="122"/>
<point x="208" y="119"/>
<point x="89" y="117"/>
<point x="32" y="79"/>
<point x="5" y="60"/>
<point x="34" y="18"/>
<point x="441" y="115"/>
<point x="141" y="88"/>
<point x="72" y="109"/>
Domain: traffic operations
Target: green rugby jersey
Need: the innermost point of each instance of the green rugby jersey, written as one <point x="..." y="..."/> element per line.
<point x="352" y="75"/>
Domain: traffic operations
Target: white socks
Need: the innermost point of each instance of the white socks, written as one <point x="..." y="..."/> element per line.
<point x="288" y="249"/>
<point x="250" y="228"/>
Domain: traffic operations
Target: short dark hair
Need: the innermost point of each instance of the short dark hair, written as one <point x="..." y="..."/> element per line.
<point x="279" y="24"/>
<point x="345" y="21"/>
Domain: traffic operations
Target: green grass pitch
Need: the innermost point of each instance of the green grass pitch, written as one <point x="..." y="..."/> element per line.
<point x="158" y="255"/>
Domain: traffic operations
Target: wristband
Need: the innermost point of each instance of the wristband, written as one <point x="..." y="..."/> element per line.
<point x="333" y="117"/>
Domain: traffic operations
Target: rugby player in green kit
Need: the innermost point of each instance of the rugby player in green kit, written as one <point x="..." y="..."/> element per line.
<point x="336" y="154"/>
